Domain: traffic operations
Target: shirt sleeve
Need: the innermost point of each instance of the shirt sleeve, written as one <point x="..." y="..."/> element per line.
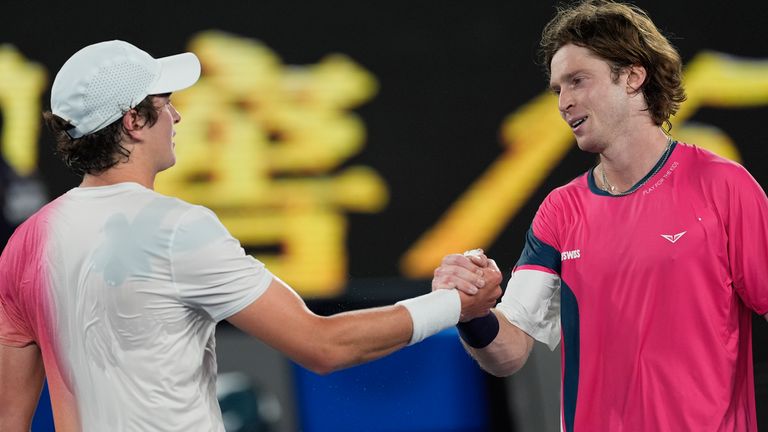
<point x="210" y="269"/>
<point x="747" y="228"/>
<point x="10" y="333"/>
<point x="532" y="298"/>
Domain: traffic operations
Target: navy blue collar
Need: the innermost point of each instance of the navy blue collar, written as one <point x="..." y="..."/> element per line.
<point x="656" y="168"/>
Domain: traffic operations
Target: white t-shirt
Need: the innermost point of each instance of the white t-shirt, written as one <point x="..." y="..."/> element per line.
<point x="121" y="288"/>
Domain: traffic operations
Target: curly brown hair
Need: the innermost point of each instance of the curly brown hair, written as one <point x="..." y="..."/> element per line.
<point x="623" y="35"/>
<point x="98" y="151"/>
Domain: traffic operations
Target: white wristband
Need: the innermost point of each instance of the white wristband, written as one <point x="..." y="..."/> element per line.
<point x="432" y="313"/>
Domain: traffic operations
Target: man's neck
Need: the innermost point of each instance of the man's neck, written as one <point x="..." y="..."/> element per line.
<point x="629" y="159"/>
<point x="121" y="173"/>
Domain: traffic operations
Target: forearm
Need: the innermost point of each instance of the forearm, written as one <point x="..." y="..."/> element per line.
<point x="365" y="335"/>
<point x="356" y="337"/>
<point x="324" y="344"/>
<point x="508" y="351"/>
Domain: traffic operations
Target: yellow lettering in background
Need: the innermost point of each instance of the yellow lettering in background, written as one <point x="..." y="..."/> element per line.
<point x="21" y="85"/>
<point x="537" y="139"/>
<point x="261" y="143"/>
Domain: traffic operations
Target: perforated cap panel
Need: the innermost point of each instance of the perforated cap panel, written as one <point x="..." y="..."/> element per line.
<point x="113" y="90"/>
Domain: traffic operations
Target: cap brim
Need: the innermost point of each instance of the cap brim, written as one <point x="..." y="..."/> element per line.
<point x="177" y="72"/>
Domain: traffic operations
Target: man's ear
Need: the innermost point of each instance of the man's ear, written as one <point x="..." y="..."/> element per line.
<point x="636" y="75"/>
<point x="133" y="124"/>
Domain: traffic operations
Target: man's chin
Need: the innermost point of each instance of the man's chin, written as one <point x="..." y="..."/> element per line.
<point x="586" y="146"/>
<point x="168" y="165"/>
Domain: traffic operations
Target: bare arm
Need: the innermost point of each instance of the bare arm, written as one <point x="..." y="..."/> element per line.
<point x="21" y="379"/>
<point x="324" y="344"/>
<point x="507" y="353"/>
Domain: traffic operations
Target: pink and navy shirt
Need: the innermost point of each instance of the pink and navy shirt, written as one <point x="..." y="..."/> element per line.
<point x="652" y="294"/>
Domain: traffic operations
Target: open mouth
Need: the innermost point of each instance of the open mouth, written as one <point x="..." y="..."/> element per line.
<point x="578" y="122"/>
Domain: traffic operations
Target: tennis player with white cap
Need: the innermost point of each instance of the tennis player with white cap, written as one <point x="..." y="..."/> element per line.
<point x="113" y="291"/>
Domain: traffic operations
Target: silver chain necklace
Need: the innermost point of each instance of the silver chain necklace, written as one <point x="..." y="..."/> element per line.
<point x="607" y="187"/>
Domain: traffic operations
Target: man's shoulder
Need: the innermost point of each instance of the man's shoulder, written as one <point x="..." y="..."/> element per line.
<point x="37" y="221"/>
<point x="177" y="203"/>
<point x="164" y="207"/>
<point x="192" y="219"/>
<point x="571" y="190"/>
<point x="713" y="167"/>
<point x="705" y="158"/>
<point x="127" y="206"/>
<point x="562" y="202"/>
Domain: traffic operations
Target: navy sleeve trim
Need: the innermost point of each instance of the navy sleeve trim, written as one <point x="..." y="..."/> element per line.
<point x="538" y="253"/>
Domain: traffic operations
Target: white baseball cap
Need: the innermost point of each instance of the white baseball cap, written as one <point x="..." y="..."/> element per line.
<point x="101" y="82"/>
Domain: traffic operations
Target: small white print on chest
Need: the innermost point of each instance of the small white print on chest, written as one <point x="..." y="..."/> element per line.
<point x="661" y="181"/>
<point x="673" y="238"/>
<point x="573" y="254"/>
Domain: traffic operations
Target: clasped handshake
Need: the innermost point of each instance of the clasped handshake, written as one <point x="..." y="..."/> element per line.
<point x="475" y="276"/>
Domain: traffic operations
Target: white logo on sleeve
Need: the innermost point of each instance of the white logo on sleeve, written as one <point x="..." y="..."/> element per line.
<point x="570" y="255"/>
<point x="673" y="238"/>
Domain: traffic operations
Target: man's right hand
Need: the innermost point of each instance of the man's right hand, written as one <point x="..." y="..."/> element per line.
<point x="480" y="304"/>
<point x="476" y="277"/>
<point x="463" y="272"/>
<point x="466" y="272"/>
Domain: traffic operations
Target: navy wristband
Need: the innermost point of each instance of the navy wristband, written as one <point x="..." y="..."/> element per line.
<point x="479" y="332"/>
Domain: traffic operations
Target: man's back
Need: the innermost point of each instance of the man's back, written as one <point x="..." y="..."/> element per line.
<point x="121" y="288"/>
